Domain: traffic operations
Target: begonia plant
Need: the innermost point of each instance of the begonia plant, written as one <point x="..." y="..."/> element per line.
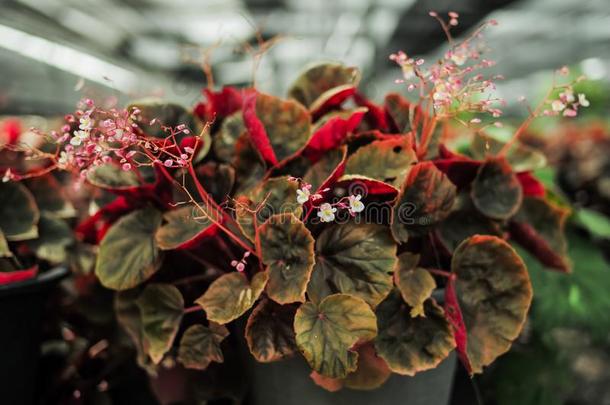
<point x="338" y="229"/>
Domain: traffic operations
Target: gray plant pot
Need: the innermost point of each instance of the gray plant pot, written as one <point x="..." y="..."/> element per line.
<point x="288" y="383"/>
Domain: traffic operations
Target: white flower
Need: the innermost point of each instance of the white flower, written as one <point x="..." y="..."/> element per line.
<point x="582" y="100"/>
<point x="355" y="205"/>
<point x="303" y="195"/>
<point x="64" y="159"/>
<point x="327" y="212"/>
<point x="79" y="137"/>
<point x="557" y="106"/>
<point x="86" y="123"/>
<point x="459" y="57"/>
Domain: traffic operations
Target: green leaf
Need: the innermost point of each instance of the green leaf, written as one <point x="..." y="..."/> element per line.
<point x="279" y="195"/>
<point x="520" y="157"/>
<point x="400" y="111"/>
<point x="410" y="345"/>
<point x="425" y="199"/>
<point x="496" y="191"/>
<point x="287" y="251"/>
<point x="465" y="221"/>
<point x="54" y="238"/>
<point x="200" y="345"/>
<point x="50" y="196"/>
<point x="161" y="307"/>
<point x="594" y="222"/>
<point x="129" y="317"/>
<point x="325" y="333"/>
<point x="231" y="295"/>
<point x="387" y="160"/>
<point x="324" y="168"/>
<point x="269" y="331"/>
<point x="111" y="176"/>
<point x="355" y="259"/>
<point x="320" y="82"/>
<point x="183" y="225"/>
<point x="225" y="140"/>
<point x="18" y="212"/>
<point x="494" y="293"/>
<point x="286" y="122"/>
<point x="414" y="283"/>
<point x="128" y="254"/>
<point x="539" y="227"/>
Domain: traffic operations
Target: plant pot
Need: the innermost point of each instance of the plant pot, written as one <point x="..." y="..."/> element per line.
<point x="22" y="306"/>
<point x="288" y="383"/>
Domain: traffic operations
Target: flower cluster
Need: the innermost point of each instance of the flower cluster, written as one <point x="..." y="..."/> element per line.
<point x="326" y="211"/>
<point x="567" y="104"/>
<point x="454" y="83"/>
<point x="241" y="264"/>
<point x="93" y="136"/>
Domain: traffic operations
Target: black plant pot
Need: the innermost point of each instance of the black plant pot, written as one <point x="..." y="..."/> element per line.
<point x="288" y="383"/>
<point x="22" y="306"/>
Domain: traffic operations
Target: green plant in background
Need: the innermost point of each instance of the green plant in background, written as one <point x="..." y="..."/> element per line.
<point x="324" y="220"/>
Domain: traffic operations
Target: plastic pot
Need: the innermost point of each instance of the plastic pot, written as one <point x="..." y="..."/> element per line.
<point x="22" y="306"/>
<point x="288" y="383"/>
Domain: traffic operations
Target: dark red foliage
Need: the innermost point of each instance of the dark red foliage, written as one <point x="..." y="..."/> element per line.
<point x="531" y="186"/>
<point x="453" y="314"/>
<point x="257" y="132"/>
<point x="375" y="116"/>
<point x="525" y="235"/>
<point x="331" y="135"/>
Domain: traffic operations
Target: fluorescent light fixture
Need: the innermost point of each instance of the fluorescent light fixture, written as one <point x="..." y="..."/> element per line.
<point x="65" y="58"/>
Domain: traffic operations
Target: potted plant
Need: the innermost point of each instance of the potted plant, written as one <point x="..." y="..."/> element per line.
<point x="346" y="235"/>
<point x="34" y="242"/>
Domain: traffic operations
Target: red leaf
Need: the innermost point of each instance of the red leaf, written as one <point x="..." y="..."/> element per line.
<point x="366" y="186"/>
<point x="257" y="132"/>
<point x="531" y="186"/>
<point x="219" y="104"/>
<point x="525" y="234"/>
<point x="331" y="135"/>
<point x="461" y="172"/>
<point x="18" y="275"/>
<point x="375" y="115"/>
<point x="93" y="229"/>
<point x="453" y="313"/>
<point x="334" y="101"/>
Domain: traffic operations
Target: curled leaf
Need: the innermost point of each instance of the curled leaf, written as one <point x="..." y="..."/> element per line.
<point x="129" y="254"/>
<point x="415" y="285"/>
<point x="355" y="259"/>
<point x="425" y="199"/>
<point x="269" y="331"/>
<point x="200" y="345"/>
<point x="161" y="307"/>
<point x="410" y="345"/>
<point x="325" y="333"/>
<point x="287" y="251"/>
<point x="496" y="191"/>
<point x="494" y="294"/>
<point x="19" y="213"/>
<point x="231" y="295"/>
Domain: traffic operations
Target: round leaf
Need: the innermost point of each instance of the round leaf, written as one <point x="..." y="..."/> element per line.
<point x="161" y="307"/>
<point x="425" y="199"/>
<point x="231" y="295"/>
<point x="387" y="160"/>
<point x="521" y="158"/>
<point x="317" y="85"/>
<point x="325" y="333"/>
<point x="372" y="370"/>
<point x="111" y="176"/>
<point x="184" y="225"/>
<point x="200" y="345"/>
<point x="415" y="286"/>
<point x="494" y="294"/>
<point x="355" y="259"/>
<point x="18" y="212"/>
<point x="226" y="139"/>
<point x="287" y="251"/>
<point x="128" y="254"/>
<point x="410" y="345"/>
<point x="269" y="331"/>
<point x="54" y="237"/>
<point x="496" y="191"/>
